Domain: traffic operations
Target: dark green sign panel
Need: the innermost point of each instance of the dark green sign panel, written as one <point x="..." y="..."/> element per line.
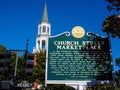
<point x="86" y="58"/>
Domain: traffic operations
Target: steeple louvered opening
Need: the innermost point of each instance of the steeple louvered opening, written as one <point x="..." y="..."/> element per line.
<point x="44" y="29"/>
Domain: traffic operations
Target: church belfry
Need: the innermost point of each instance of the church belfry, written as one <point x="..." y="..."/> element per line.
<point x="44" y="29"/>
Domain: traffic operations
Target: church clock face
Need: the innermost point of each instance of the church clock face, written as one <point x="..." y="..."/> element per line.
<point x="78" y="32"/>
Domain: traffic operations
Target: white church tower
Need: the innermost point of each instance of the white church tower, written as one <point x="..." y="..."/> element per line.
<point x="44" y="29"/>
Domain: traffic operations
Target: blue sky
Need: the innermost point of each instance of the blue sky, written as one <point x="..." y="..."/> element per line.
<point x="19" y="20"/>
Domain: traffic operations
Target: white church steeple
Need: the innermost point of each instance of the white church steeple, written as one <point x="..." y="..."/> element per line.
<point x="44" y="29"/>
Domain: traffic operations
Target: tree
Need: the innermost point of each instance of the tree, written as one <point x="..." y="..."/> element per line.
<point x="39" y="69"/>
<point x="10" y="75"/>
<point x="118" y="62"/>
<point x="117" y="78"/>
<point x="111" y="24"/>
<point x="113" y="4"/>
<point x="2" y="48"/>
<point x="103" y="87"/>
<point x="20" y="75"/>
<point x="39" y="73"/>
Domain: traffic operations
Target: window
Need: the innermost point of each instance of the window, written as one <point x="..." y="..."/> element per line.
<point x="47" y="29"/>
<point x="43" y="44"/>
<point x="44" y="29"/>
<point x="40" y="30"/>
<point x="38" y="44"/>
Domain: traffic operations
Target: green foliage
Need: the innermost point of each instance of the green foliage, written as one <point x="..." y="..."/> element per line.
<point x="118" y="61"/>
<point x="111" y="25"/>
<point x="113" y="4"/>
<point x="117" y="78"/>
<point x="103" y="87"/>
<point x="9" y="74"/>
<point x="11" y="66"/>
<point x="2" y="48"/>
<point x="39" y="69"/>
<point x="20" y="77"/>
<point x="39" y="73"/>
<point x="20" y="72"/>
<point x="116" y="86"/>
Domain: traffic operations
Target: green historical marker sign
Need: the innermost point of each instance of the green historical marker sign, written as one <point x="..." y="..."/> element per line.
<point x="78" y="59"/>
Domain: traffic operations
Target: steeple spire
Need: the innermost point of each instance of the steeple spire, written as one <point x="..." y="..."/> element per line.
<point x="44" y="31"/>
<point x="45" y="15"/>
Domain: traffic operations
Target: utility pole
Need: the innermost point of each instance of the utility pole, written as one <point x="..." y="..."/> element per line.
<point x="16" y="64"/>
